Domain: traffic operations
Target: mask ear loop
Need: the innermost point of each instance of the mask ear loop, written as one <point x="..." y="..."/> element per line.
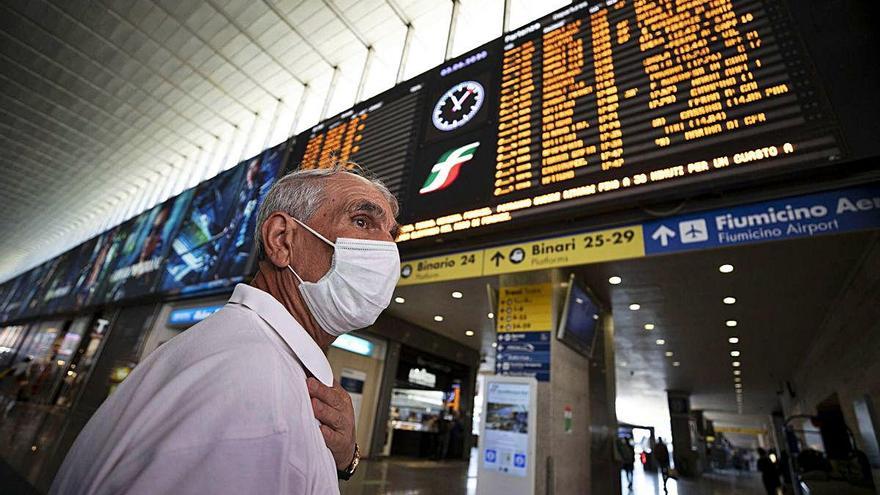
<point x="295" y="274"/>
<point x="313" y="231"/>
<point x="319" y="236"/>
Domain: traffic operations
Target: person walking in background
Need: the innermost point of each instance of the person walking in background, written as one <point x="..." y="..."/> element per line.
<point x="628" y="458"/>
<point x="661" y="454"/>
<point x="769" y="472"/>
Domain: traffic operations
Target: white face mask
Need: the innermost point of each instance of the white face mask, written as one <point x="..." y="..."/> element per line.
<point x="358" y="286"/>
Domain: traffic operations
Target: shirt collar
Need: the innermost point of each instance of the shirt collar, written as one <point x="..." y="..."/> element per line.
<point x="285" y="325"/>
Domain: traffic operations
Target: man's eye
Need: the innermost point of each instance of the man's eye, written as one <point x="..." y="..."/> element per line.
<point x="361" y="222"/>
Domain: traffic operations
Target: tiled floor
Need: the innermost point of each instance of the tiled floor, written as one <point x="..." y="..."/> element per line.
<point x="716" y="483"/>
<point x="417" y="477"/>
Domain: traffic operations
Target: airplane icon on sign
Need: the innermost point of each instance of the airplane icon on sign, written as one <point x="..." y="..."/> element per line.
<point x="693" y="231"/>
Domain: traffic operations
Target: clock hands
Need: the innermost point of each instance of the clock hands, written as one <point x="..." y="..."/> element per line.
<point x="456" y="103"/>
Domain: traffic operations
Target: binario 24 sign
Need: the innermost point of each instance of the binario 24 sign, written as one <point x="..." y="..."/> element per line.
<point x="832" y="212"/>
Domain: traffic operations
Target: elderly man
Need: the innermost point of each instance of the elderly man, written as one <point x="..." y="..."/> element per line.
<point x="244" y="402"/>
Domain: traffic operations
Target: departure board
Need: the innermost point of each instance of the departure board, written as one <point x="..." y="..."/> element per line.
<point x="615" y="99"/>
<point x="378" y="135"/>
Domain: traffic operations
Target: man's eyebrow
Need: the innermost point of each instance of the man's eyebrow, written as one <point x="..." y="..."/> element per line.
<point x="367" y="207"/>
<point x="374" y="209"/>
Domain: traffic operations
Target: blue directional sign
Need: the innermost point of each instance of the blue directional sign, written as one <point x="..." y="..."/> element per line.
<point x="834" y="212"/>
<point x="191" y="316"/>
<point x="523" y="354"/>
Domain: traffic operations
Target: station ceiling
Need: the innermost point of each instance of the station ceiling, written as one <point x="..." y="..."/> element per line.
<point x="783" y="291"/>
<point x="108" y="107"/>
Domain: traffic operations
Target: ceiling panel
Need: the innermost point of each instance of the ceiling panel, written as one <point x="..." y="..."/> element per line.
<point x="99" y="97"/>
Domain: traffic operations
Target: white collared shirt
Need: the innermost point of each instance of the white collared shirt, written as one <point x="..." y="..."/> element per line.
<point x="221" y="408"/>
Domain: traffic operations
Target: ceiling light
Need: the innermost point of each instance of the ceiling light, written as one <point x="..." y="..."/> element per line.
<point x="649" y="326"/>
<point x="494" y="344"/>
<point x="661" y="342"/>
<point x="737" y="379"/>
<point x="615" y="280"/>
<point x="734" y="353"/>
<point x="490" y="315"/>
<point x="737" y="372"/>
<point x="469" y="333"/>
<point x="438" y="318"/>
<point x="730" y="323"/>
<point x="668" y="353"/>
<point x="456" y="294"/>
<point x="725" y="268"/>
<point x="736" y="364"/>
<point x="729" y="300"/>
<point x="733" y="340"/>
<point x="399" y="300"/>
<point x="634" y="307"/>
<point x="738" y="385"/>
<point x="676" y="364"/>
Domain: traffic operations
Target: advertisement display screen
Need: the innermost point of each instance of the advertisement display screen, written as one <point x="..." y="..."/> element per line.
<point x="144" y="249"/>
<point x="60" y="295"/>
<point x="42" y="284"/>
<point x="91" y="281"/>
<point x="26" y="288"/>
<point x="214" y="244"/>
<point x="506" y="430"/>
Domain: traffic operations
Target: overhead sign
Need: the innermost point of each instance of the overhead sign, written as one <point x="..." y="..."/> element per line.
<point x="439" y="268"/>
<point x="834" y="212"/>
<point x="803" y="216"/>
<point x="740" y="430"/>
<point x="577" y="249"/>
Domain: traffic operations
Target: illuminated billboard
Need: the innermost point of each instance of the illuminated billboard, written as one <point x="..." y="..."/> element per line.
<point x="214" y="245"/>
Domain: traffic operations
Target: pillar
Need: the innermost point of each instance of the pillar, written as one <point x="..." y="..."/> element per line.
<point x="684" y="434"/>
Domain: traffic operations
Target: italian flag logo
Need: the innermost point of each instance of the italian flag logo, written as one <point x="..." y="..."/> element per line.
<point x="445" y="171"/>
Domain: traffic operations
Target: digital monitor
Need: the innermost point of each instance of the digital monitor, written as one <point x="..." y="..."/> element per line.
<point x="213" y="248"/>
<point x="94" y="281"/>
<point x="379" y="135"/>
<point x="613" y="101"/>
<point x="146" y="245"/>
<point x="580" y="318"/>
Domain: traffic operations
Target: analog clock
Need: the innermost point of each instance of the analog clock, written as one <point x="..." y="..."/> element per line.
<point x="458" y="105"/>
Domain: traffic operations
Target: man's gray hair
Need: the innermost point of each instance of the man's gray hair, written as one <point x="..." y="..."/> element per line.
<point x="301" y="192"/>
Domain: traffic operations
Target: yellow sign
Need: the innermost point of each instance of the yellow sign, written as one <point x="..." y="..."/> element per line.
<point x="525" y="308"/>
<point x="439" y="268"/>
<point x="577" y="249"/>
<point x="741" y="430"/>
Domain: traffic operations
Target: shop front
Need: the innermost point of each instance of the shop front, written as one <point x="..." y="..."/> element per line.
<point x="425" y="414"/>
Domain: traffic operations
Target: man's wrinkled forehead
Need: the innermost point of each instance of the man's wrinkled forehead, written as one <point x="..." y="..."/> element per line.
<point x="361" y="196"/>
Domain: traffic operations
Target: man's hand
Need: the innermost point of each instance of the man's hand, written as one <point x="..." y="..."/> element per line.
<point x="333" y="409"/>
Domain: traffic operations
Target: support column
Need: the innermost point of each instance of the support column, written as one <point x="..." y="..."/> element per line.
<point x="684" y="434"/>
<point x="576" y="420"/>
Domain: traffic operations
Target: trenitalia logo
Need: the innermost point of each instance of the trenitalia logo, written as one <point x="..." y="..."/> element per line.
<point x="445" y="171"/>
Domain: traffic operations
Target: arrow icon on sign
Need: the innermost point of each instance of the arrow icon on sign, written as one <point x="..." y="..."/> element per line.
<point x="497" y="257"/>
<point x="664" y="233"/>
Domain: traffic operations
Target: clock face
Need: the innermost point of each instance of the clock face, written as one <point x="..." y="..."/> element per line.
<point x="458" y="105"/>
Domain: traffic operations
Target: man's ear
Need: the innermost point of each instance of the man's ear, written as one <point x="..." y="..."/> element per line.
<point x="276" y="233"/>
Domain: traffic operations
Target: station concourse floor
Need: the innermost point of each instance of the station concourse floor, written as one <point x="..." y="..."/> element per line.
<point x="399" y="476"/>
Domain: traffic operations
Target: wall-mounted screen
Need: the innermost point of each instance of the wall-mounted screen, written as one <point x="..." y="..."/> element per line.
<point x="146" y="245"/>
<point x="214" y="245"/>
<point x="612" y="101"/>
<point x="580" y="318"/>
